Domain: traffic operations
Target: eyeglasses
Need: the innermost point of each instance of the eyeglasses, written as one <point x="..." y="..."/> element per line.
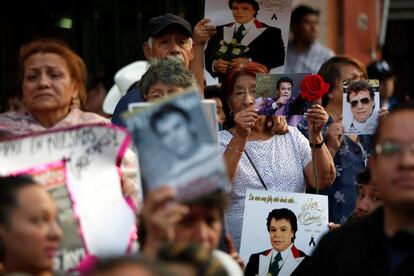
<point x="354" y="103"/>
<point x="392" y="149"/>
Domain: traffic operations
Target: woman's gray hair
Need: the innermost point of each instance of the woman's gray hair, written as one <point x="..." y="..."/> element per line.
<point x="169" y="70"/>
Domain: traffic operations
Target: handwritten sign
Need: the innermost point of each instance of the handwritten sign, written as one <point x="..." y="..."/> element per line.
<point x="311" y="213"/>
<point x="93" y="155"/>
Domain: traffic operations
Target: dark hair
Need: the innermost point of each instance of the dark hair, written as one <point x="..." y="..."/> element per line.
<point x="301" y="11"/>
<point x="164" y="112"/>
<point x="254" y="4"/>
<point x="364" y="176"/>
<point x="216" y="200"/>
<point x="196" y="256"/>
<point x="380" y="70"/>
<point x="9" y="187"/>
<point x="249" y="68"/>
<point x="357" y="86"/>
<point x="212" y="91"/>
<point x="75" y="64"/>
<point x="409" y="106"/>
<point x="330" y="72"/>
<point x="283" y="213"/>
<point x="284" y="79"/>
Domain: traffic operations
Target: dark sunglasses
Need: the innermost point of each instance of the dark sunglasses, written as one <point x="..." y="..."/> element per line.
<point x="363" y="101"/>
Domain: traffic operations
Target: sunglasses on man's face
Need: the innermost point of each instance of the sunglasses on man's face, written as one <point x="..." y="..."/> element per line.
<point x="354" y="103"/>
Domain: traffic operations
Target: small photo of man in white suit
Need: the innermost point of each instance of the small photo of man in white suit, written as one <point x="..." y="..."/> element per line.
<point x="283" y="258"/>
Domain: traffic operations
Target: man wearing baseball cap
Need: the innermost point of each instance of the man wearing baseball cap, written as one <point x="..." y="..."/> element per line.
<point x="170" y="35"/>
<point x="382" y="71"/>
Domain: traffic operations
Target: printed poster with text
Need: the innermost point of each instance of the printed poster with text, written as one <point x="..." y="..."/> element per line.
<point x="310" y="212"/>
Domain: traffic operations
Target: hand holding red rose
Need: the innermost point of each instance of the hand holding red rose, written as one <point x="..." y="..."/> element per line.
<point x="317" y="117"/>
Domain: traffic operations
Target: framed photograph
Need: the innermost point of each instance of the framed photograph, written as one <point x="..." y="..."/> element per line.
<point x="209" y="107"/>
<point x="360" y="106"/>
<point x="259" y="33"/>
<point x="287" y="223"/>
<point x="279" y="94"/>
<point x="176" y="147"/>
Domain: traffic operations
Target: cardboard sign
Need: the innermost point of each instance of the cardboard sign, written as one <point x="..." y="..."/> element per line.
<point x="93" y="155"/>
<point x="310" y="211"/>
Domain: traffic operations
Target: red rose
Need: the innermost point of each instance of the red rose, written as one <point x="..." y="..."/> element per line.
<point x="313" y="87"/>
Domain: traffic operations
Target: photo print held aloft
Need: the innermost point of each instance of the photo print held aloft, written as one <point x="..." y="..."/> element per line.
<point x="176" y="147"/>
<point x="360" y="106"/>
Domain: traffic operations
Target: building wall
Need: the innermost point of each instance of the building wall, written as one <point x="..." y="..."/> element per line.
<point x="361" y="28"/>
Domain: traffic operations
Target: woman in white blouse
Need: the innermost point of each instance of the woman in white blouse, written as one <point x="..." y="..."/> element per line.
<point x="257" y="159"/>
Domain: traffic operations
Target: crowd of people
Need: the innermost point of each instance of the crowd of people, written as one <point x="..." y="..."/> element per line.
<point x="368" y="179"/>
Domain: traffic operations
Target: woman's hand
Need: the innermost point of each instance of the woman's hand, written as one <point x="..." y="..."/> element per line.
<point x="244" y="121"/>
<point x="334" y="136"/>
<point x="277" y="124"/>
<point x="317" y="117"/>
<point x="231" y="249"/>
<point x="382" y="112"/>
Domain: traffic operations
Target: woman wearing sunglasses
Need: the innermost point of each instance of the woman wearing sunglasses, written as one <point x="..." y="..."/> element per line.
<point x="349" y="151"/>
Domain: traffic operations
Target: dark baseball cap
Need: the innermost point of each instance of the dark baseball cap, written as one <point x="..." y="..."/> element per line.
<point x="159" y="23"/>
<point x="380" y="70"/>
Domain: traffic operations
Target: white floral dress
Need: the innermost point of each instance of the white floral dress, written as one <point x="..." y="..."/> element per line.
<point x="280" y="160"/>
